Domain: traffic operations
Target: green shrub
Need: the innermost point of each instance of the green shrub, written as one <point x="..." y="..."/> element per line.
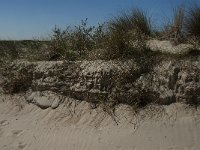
<point x="73" y="42"/>
<point x="82" y="38"/>
<point x="60" y="46"/>
<point x="100" y="36"/>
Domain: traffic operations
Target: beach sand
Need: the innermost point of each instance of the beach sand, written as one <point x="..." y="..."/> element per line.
<point x="75" y="126"/>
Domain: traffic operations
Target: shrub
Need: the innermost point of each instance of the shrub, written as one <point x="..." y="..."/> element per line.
<point x="72" y="42"/>
<point x="192" y="21"/>
<point x="82" y="38"/>
<point x="100" y="36"/>
<point x="9" y="49"/>
<point x="127" y="33"/>
<point x="17" y="78"/>
<point x="174" y="29"/>
<point x="31" y="50"/>
<point x="136" y="19"/>
<point x="121" y="37"/>
<point x="60" y="46"/>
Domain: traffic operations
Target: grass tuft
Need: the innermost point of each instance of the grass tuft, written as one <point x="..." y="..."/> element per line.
<point x="127" y="33"/>
<point x="192" y="21"/>
<point x="136" y="19"/>
<point x="174" y="29"/>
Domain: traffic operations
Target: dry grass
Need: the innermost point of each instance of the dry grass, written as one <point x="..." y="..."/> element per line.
<point x="192" y="21"/>
<point x="127" y="33"/>
<point x="173" y="30"/>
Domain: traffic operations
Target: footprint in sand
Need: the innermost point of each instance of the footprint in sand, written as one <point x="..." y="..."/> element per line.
<point x="17" y="132"/>
<point x="14" y="133"/>
<point x="4" y="122"/>
<point x="21" y="145"/>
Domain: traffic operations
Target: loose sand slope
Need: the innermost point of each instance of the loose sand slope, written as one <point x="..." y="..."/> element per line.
<point x="76" y="126"/>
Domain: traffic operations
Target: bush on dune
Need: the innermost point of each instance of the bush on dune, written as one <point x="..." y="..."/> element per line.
<point x="173" y="30"/>
<point x="192" y="25"/>
<point x="192" y="21"/>
<point x="127" y="33"/>
<point x="118" y="38"/>
<point x="122" y="37"/>
<point x="77" y="41"/>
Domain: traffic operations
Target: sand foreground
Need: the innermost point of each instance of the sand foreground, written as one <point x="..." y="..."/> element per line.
<point x="78" y="127"/>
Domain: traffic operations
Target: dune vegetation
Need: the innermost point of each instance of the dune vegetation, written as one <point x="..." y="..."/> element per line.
<point x="123" y="36"/>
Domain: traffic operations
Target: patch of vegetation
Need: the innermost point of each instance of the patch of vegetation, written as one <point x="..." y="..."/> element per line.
<point x="192" y="26"/>
<point x="17" y="78"/>
<point x="76" y="42"/>
<point x="32" y="50"/>
<point x="192" y="21"/>
<point x="127" y="34"/>
<point x="122" y="37"/>
<point x="118" y="38"/>
<point x="173" y="30"/>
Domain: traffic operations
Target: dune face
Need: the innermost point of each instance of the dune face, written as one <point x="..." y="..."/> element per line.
<point x="98" y="105"/>
<point x="128" y="82"/>
<point x="75" y="126"/>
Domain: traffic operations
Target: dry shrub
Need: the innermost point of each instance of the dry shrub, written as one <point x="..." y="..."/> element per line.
<point x="127" y="33"/>
<point x="76" y="42"/>
<point x="173" y="30"/>
<point x="192" y="26"/>
<point x="17" y="78"/>
<point x="192" y="21"/>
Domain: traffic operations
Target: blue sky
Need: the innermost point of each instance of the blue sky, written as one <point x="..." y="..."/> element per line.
<point x="26" y="19"/>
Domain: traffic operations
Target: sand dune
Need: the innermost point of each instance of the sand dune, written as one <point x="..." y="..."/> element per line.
<point x="75" y="126"/>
